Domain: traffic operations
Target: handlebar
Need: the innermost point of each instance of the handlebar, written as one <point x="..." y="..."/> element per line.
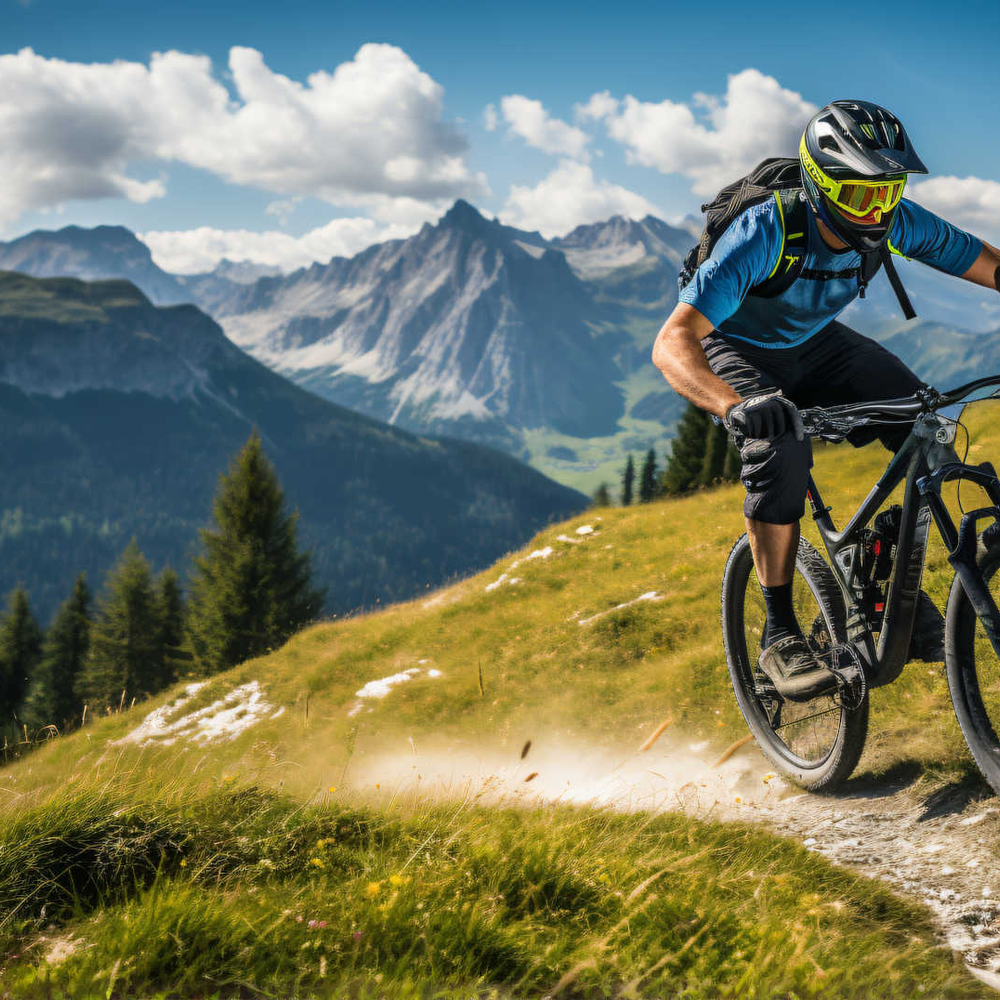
<point x="836" y="421"/>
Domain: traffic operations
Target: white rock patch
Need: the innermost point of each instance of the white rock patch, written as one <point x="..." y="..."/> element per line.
<point x="381" y="687"/>
<point x="651" y="595"/>
<point x="224" y="719"/>
<point x="508" y="579"/>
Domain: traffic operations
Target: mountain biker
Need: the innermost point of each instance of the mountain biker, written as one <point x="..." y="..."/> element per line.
<point x="752" y="361"/>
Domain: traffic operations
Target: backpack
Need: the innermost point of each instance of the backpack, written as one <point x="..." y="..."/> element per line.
<point x="779" y="178"/>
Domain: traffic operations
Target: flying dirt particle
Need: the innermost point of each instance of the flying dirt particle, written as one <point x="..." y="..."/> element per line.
<point x="534" y="774"/>
<point x="656" y="734"/>
<point x="729" y="751"/>
<point x="525" y="749"/>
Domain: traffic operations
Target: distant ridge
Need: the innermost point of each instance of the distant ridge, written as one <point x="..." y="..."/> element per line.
<point x="116" y="418"/>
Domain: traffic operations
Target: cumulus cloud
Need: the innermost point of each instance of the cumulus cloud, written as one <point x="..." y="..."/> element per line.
<point x="193" y="251"/>
<point x="969" y="202"/>
<point x="283" y="209"/>
<point x="373" y="127"/>
<point x="599" y="106"/>
<point x="756" y="118"/>
<point x="530" y="120"/>
<point x="571" y="196"/>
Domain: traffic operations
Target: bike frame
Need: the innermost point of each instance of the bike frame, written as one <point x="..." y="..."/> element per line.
<point x="918" y="462"/>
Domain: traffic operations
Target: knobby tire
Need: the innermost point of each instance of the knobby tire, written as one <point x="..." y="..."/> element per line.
<point x="820" y="602"/>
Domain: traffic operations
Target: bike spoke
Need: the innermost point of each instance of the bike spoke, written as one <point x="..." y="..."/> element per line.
<point x="815" y="715"/>
<point x="811" y="736"/>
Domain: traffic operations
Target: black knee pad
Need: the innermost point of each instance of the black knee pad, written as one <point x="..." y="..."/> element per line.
<point x="776" y="474"/>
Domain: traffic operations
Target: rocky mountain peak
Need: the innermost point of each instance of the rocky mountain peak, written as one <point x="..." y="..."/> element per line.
<point x="91" y="254"/>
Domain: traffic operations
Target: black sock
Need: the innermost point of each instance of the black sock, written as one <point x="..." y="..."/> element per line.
<point x="781" y="620"/>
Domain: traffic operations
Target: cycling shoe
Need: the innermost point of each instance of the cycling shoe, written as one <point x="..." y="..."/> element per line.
<point x="795" y="671"/>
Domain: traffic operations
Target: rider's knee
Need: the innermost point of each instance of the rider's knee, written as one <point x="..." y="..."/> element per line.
<point x="776" y="474"/>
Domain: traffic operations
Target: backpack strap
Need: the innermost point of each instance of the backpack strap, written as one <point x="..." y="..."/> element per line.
<point x="897" y="286"/>
<point x="793" y="213"/>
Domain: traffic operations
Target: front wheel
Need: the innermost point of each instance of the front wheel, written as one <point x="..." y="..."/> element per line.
<point x="974" y="668"/>
<point x="816" y="743"/>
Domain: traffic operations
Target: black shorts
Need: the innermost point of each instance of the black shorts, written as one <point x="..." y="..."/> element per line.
<point x="836" y="365"/>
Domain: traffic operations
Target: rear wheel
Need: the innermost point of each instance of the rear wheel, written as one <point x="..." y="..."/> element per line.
<point x="816" y="743"/>
<point x="974" y="668"/>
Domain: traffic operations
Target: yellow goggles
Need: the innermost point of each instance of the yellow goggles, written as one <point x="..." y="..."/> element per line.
<point x="865" y="200"/>
<point x="862" y="198"/>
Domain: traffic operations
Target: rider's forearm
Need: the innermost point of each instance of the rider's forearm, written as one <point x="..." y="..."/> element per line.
<point x="679" y="356"/>
<point x="985" y="268"/>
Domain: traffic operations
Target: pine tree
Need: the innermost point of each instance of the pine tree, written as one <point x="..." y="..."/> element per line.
<point x="628" y="478"/>
<point x="648" y="485"/>
<point x="716" y="440"/>
<point x="732" y="465"/>
<point x="686" y="464"/>
<point x="174" y="653"/>
<point x="251" y="589"/>
<point x="602" y="496"/>
<point x="20" y="651"/>
<point x="124" y="654"/>
<point x="52" y="698"/>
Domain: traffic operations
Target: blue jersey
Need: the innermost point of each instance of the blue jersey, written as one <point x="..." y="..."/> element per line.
<point x="747" y="253"/>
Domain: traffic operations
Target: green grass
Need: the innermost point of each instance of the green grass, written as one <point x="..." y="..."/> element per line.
<point x="602" y="459"/>
<point x="243" y="892"/>
<point x="207" y="855"/>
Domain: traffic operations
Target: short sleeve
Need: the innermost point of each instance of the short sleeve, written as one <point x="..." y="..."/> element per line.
<point x="744" y="256"/>
<point x="922" y="235"/>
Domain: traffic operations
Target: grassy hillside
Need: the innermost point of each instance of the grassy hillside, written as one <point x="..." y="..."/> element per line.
<point x="209" y="852"/>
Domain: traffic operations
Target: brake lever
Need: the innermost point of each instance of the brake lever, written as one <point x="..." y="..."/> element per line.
<point x="830" y="428"/>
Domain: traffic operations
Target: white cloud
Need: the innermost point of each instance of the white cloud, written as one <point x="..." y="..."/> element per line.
<point x="283" y="209"/>
<point x="193" y="251"/>
<point x="530" y="120"/>
<point x="599" y="106"/>
<point x="571" y="196"/>
<point x="372" y="127"/>
<point x="490" y="117"/>
<point x="755" y="119"/>
<point x="969" y="202"/>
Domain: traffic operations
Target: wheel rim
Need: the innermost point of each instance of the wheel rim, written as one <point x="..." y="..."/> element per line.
<point x="806" y="732"/>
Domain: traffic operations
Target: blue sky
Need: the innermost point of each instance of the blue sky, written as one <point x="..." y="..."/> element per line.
<point x="303" y="171"/>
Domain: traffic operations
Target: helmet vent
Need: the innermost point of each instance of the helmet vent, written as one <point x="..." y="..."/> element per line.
<point x="828" y="142"/>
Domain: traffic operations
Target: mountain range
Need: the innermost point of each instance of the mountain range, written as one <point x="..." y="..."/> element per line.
<point x="117" y="417"/>
<point x="493" y="334"/>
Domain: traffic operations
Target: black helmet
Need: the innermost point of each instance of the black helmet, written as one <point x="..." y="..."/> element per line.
<point x="854" y="157"/>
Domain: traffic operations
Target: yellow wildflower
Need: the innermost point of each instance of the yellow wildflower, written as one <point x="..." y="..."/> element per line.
<point x="317" y="862"/>
<point x="332" y="788"/>
<point x="604" y="878"/>
<point x="372" y="889"/>
<point x="399" y="879"/>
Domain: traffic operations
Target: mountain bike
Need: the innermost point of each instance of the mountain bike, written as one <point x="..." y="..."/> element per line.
<point x="857" y="605"/>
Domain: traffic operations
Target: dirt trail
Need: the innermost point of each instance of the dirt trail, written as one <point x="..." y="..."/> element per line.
<point x="933" y="847"/>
